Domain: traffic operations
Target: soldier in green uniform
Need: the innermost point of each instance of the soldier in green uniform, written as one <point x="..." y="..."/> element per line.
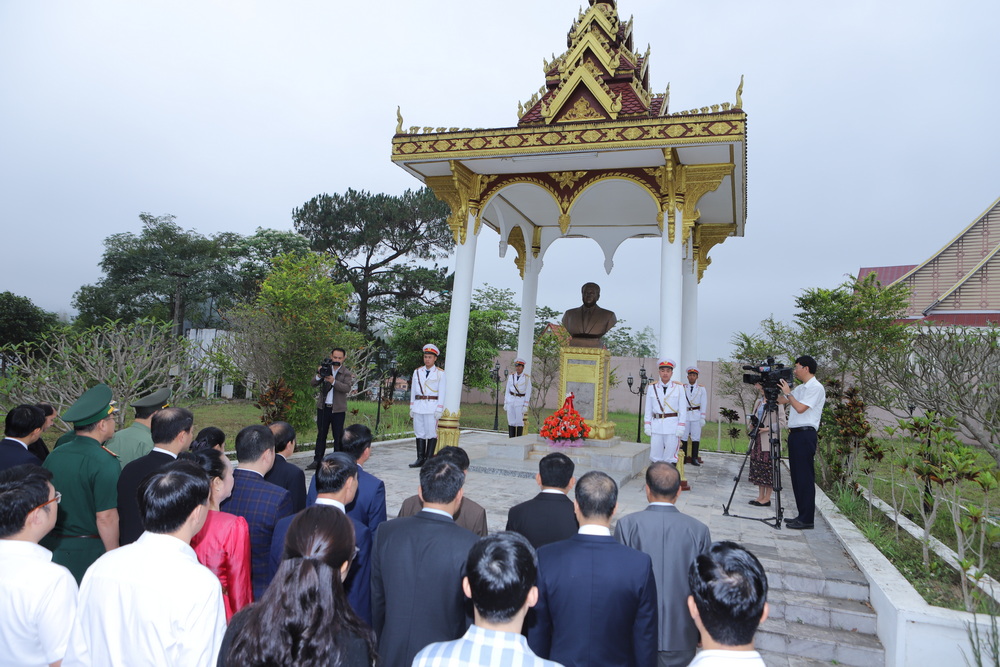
<point x="86" y="474"/>
<point x="136" y="440"/>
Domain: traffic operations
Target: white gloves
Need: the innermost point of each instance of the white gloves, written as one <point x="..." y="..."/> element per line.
<point x="647" y="429"/>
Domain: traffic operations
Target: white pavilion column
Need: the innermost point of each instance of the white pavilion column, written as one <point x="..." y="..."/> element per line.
<point x="529" y="298"/>
<point x="458" y="336"/>
<point x="671" y="287"/>
<point x="689" y="315"/>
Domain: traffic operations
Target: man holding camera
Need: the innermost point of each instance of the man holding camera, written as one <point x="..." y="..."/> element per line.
<point x="806" y="401"/>
<point x="334" y="381"/>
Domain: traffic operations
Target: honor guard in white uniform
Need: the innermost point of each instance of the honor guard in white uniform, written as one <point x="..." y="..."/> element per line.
<point x="697" y="403"/>
<point x="516" y="397"/>
<point x="426" y="404"/>
<point x="666" y="414"/>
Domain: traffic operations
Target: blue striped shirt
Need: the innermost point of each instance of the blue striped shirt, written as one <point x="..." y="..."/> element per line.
<point x="480" y="647"/>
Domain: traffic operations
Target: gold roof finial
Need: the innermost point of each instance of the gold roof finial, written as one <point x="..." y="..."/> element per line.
<point x="399" y="121"/>
<point x="739" y="95"/>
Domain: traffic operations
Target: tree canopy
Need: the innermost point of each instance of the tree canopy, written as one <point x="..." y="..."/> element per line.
<point x="385" y="246"/>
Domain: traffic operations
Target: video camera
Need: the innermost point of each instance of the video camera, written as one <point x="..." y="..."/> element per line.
<point x="327" y="366"/>
<point x="768" y="375"/>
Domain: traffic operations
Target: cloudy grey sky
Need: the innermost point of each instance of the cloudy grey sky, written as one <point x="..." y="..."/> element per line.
<point x="872" y="131"/>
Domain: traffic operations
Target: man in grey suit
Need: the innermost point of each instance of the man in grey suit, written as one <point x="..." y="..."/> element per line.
<point x="673" y="540"/>
<point x="417" y="567"/>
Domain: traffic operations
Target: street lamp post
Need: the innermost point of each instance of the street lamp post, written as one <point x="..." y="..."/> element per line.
<point x="496" y="409"/>
<point x="643" y="381"/>
<point x="381" y="382"/>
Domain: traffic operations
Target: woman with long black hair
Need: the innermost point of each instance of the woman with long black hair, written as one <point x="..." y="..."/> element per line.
<point x="304" y="619"/>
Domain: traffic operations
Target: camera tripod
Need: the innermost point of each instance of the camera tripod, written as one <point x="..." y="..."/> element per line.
<point x="769" y="420"/>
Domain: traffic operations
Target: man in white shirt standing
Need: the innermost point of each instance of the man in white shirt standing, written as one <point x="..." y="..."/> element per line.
<point x="426" y="404"/>
<point x="806" y="401"/>
<point x="516" y="398"/>
<point x="666" y="414"/>
<point x="152" y="602"/>
<point x="38" y="602"/>
<point x="697" y="404"/>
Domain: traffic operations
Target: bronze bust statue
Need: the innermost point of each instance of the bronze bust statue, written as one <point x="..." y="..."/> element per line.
<point x="588" y="323"/>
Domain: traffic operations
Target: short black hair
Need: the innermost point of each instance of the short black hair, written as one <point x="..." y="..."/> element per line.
<point x="808" y="362"/>
<point x="22" y="489"/>
<point x="252" y="442"/>
<point x="22" y="420"/>
<point x="440" y="480"/>
<point x="46" y="408"/>
<point x="501" y="568"/>
<point x="456" y="455"/>
<point x="167" y="498"/>
<point x="168" y="423"/>
<point x="556" y="469"/>
<point x="729" y="588"/>
<point x="210" y="436"/>
<point x="663" y="479"/>
<point x="334" y="471"/>
<point x="283" y="434"/>
<point x="356" y="439"/>
<point x="596" y="494"/>
<point x="339" y="349"/>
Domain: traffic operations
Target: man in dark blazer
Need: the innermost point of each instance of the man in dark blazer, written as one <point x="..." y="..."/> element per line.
<point x="470" y="515"/>
<point x="334" y="382"/>
<point x="596" y="597"/>
<point x="549" y="516"/>
<point x="258" y="501"/>
<point x="368" y="506"/>
<point x="337" y="483"/>
<point x="417" y="564"/>
<point x="287" y="475"/>
<point x="172" y="433"/>
<point x="22" y="426"/>
<point x="673" y="540"/>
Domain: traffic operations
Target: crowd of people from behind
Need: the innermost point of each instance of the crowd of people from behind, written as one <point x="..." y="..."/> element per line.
<point x="176" y="557"/>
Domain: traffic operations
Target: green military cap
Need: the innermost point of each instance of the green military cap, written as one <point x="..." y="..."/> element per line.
<point x="158" y="399"/>
<point x="92" y="407"/>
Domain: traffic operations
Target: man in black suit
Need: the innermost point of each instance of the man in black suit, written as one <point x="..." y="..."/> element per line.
<point x="368" y="505"/>
<point x="673" y="540"/>
<point x="596" y="597"/>
<point x="287" y="475"/>
<point x="417" y="566"/>
<point x="172" y="430"/>
<point x="549" y="516"/>
<point x="22" y="426"/>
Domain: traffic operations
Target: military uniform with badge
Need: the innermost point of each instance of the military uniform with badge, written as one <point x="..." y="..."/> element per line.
<point x="666" y="414"/>
<point x="426" y="404"/>
<point x="86" y="473"/>
<point x="516" y="398"/>
<point x="136" y="441"/>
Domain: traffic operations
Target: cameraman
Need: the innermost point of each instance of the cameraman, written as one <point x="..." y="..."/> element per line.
<point x="806" y="401"/>
<point x="334" y="381"/>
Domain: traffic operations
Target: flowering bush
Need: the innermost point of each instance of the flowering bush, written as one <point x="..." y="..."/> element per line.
<point x="565" y="424"/>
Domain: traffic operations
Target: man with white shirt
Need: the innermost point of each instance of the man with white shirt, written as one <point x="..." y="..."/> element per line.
<point x="337" y="485"/>
<point x="334" y="382"/>
<point x="22" y="426"/>
<point x="516" y="398"/>
<point x="666" y="417"/>
<point x="427" y="389"/>
<point x="697" y="404"/>
<point x="172" y="430"/>
<point x="596" y="597"/>
<point x="806" y="402"/>
<point x="672" y="540"/>
<point x="38" y="603"/>
<point x="152" y="602"/>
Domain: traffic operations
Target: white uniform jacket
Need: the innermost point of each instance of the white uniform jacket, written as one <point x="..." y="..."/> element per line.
<point x="666" y="409"/>
<point x="427" y="391"/>
<point x="518" y="392"/>
<point x="697" y="402"/>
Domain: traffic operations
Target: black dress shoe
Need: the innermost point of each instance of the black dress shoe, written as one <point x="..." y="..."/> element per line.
<point x="757" y="504"/>
<point x="312" y="465"/>
<point x="798" y="525"/>
<point x="695" y="462"/>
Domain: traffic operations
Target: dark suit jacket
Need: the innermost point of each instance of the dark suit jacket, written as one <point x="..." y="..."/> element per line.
<point x="129" y="522"/>
<point x="291" y="478"/>
<point x="417" y="598"/>
<point x="262" y="504"/>
<point x="596" y="604"/>
<point x="673" y="540"/>
<point x="546" y="518"/>
<point x="13" y="453"/>
<point x="471" y="515"/>
<point x="357" y="585"/>
<point x="368" y="505"/>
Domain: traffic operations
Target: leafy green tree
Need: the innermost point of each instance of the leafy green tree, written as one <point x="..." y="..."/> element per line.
<point x="501" y="301"/>
<point x="410" y="335"/>
<point x="21" y="321"/>
<point x="296" y="318"/>
<point x="549" y="342"/>
<point x="623" y="341"/>
<point x="382" y="245"/>
<point x="252" y="257"/>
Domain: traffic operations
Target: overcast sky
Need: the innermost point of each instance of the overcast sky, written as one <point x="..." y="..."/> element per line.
<point x="872" y="127"/>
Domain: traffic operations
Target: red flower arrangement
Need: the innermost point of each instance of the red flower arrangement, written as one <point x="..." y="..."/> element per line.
<point x="565" y="425"/>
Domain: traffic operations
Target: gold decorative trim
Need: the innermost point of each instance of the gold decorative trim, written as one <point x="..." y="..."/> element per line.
<point x="536" y="241"/>
<point x="567" y="179"/>
<point x="564" y="222"/>
<point x="461" y="190"/>
<point x="516" y="241"/>
<point x="707" y="237"/>
<point x="582" y="110"/>
<point x="447" y="430"/>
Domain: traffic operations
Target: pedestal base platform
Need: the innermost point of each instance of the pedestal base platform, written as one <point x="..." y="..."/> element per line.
<point x="621" y="460"/>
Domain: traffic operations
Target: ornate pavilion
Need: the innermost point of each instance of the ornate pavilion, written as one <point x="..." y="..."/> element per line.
<point x="595" y="154"/>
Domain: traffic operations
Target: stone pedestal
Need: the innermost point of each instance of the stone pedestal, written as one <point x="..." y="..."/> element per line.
<point x="584" y="371"/>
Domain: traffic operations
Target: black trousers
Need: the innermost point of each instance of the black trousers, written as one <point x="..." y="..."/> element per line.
<point x="801" y="455"/>
<point x="327" y="420"/>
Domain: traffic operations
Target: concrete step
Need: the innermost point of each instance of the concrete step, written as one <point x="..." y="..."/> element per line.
<point x="779" y="660"/>
<point x="821" y="611"/>
<point x="790" y="575"/>
<point x="801" y="640"/>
